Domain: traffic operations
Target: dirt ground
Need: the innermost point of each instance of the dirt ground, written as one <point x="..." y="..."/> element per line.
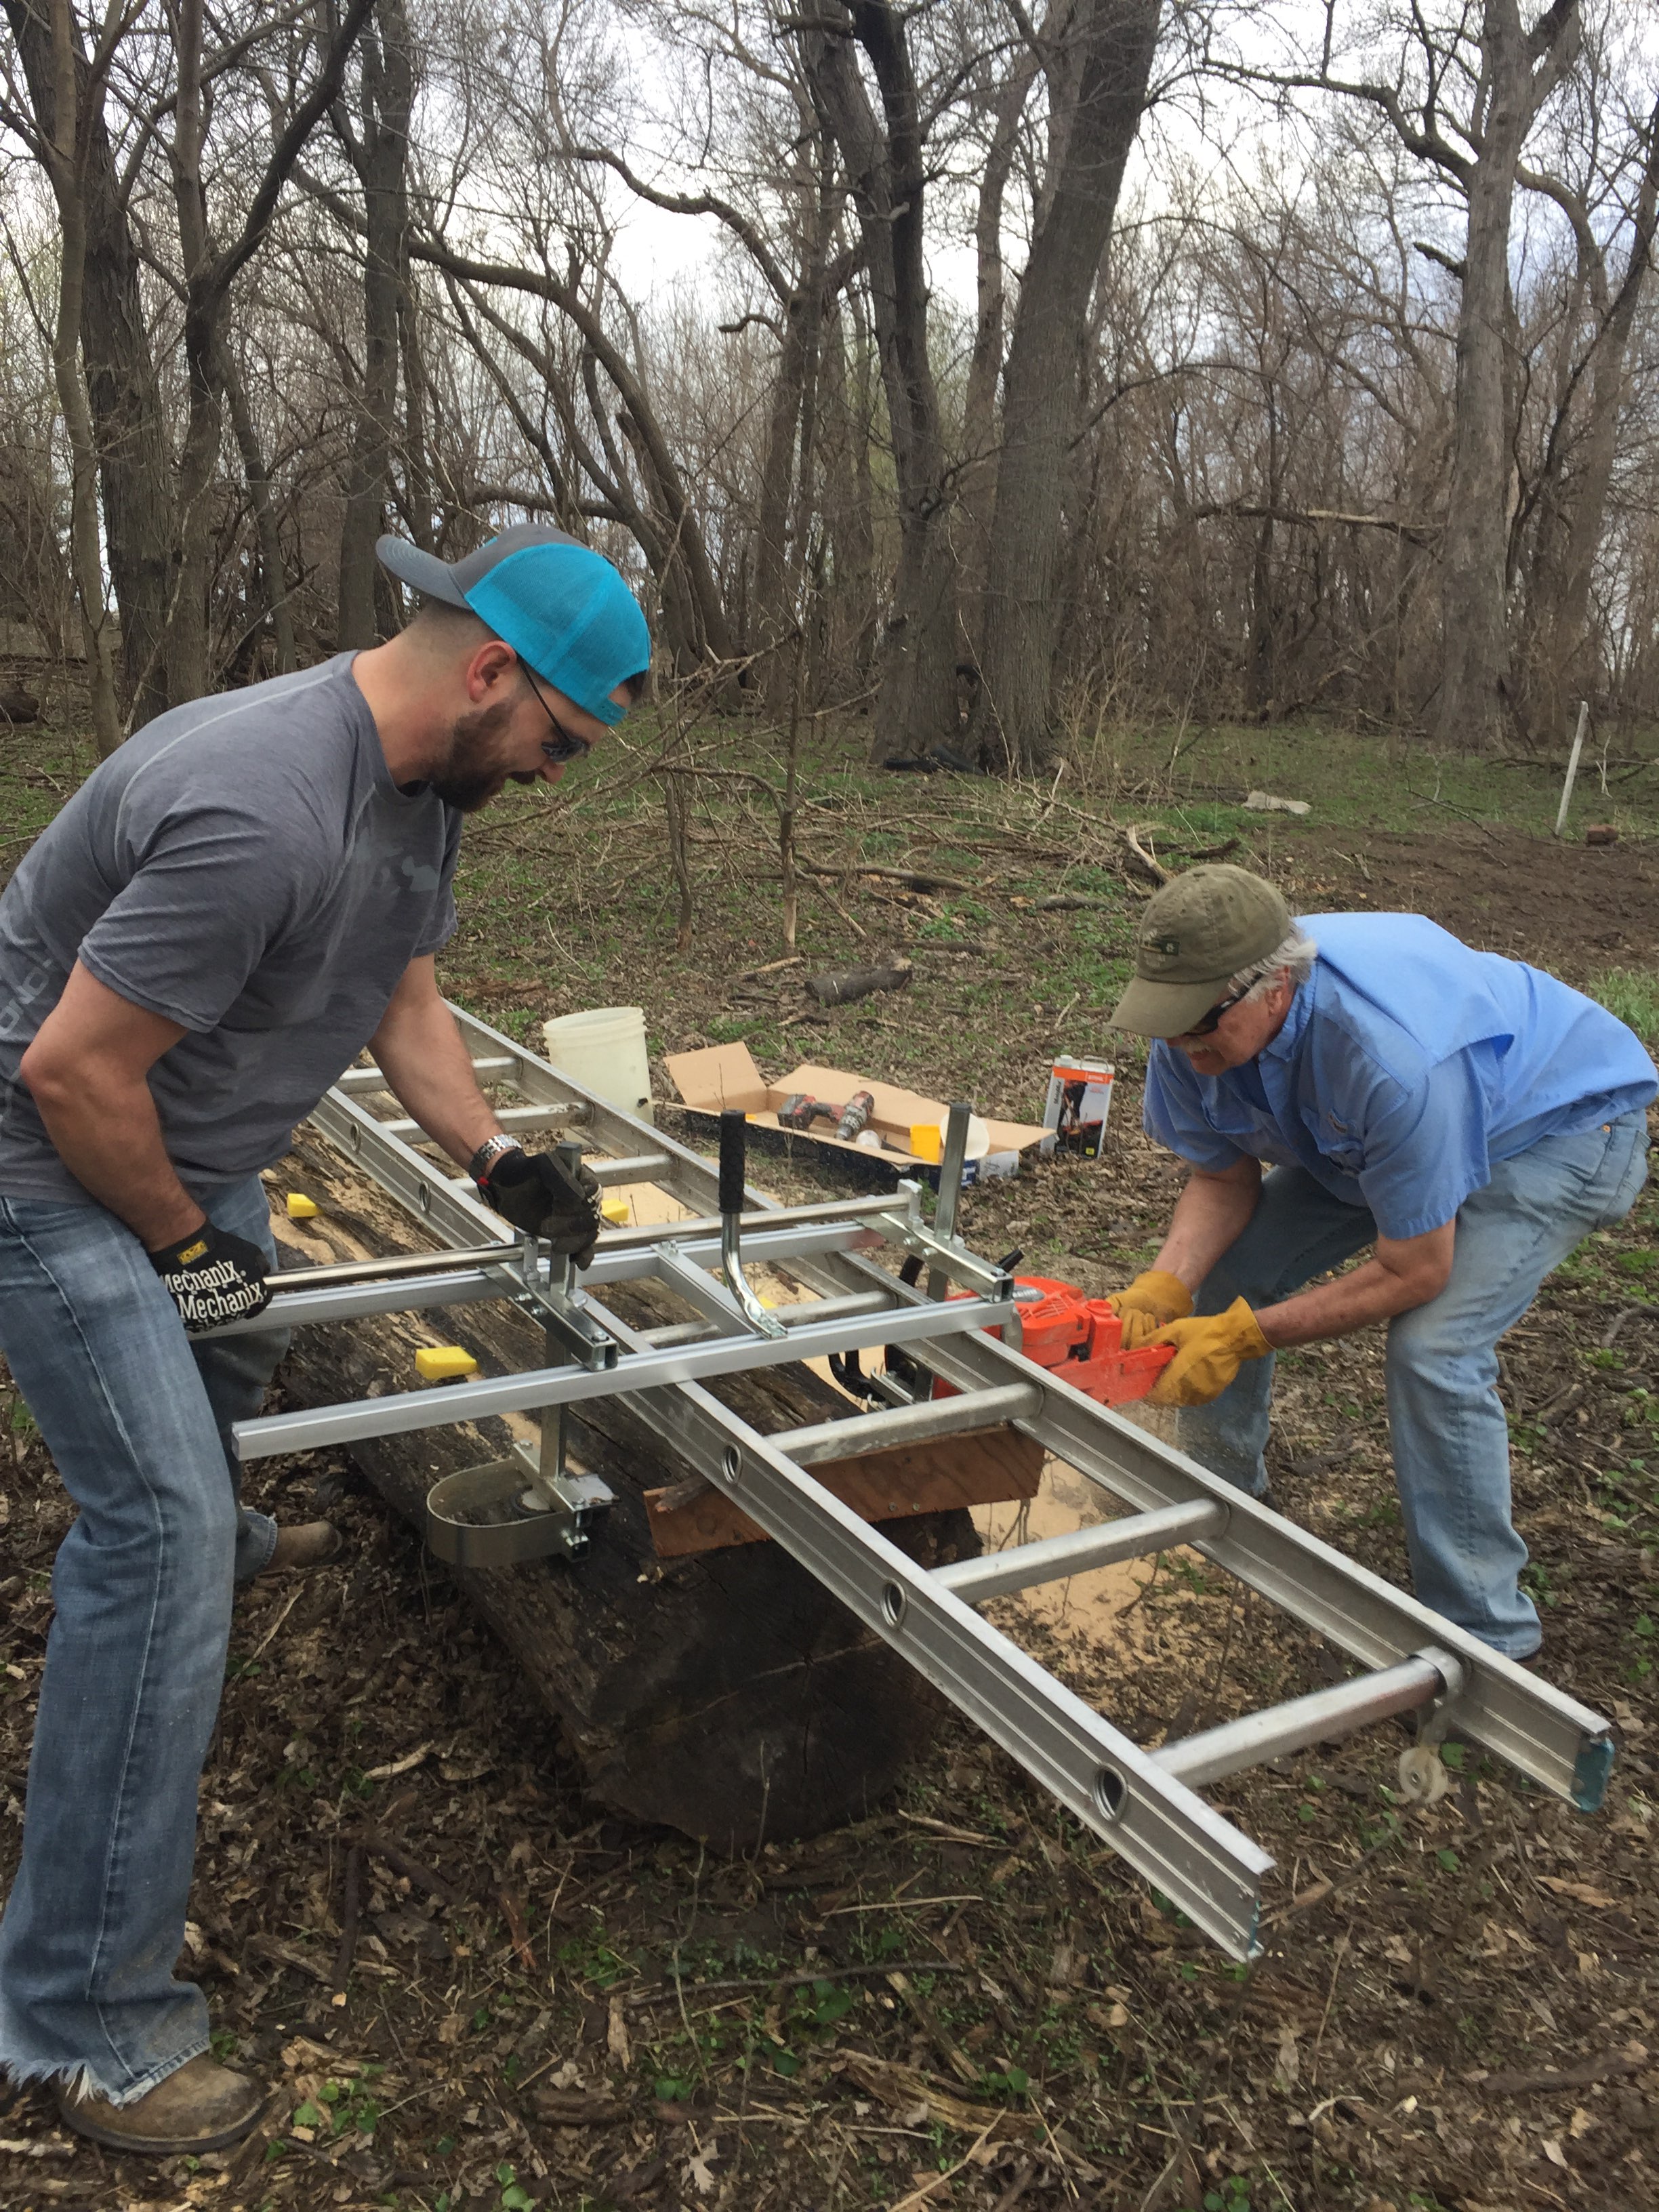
<point x="965" y="2000"/>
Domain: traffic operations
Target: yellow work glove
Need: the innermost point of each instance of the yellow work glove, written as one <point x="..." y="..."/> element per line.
<point x="1149" y="1301"/>
<point x="1209" y="1351"/>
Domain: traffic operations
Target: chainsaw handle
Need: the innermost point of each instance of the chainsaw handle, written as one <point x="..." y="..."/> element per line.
<point x="734" y="1148"/>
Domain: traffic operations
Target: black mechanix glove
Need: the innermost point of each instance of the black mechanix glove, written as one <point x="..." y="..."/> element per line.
<point x="213" y="1278"/>
<point x="540" y="1194"/>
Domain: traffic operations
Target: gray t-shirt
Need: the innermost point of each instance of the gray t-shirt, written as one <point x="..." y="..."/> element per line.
<point x="245" y="867"/>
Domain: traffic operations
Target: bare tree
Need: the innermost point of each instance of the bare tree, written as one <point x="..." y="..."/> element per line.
<point x="1462" y="87"/>
<point x="377" y="144"/>
<point x="1103" y="73"/>
<point x="886" y="165"/>
<point x="106" y="380"/>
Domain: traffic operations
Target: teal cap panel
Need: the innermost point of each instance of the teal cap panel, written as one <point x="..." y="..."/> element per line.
<point x="566" y="610"/>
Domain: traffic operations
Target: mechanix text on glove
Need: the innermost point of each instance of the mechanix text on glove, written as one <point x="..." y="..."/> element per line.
<point x="213" y="1278"/>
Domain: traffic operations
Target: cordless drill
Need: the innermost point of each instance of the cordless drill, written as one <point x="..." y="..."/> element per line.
<point x="800" y="1109"/>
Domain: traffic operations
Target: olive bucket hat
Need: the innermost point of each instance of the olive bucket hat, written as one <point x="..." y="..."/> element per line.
<point x="1195" y="935"/>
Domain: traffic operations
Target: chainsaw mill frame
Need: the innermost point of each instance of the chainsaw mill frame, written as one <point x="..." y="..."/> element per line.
<point x="1144" y="1803"/>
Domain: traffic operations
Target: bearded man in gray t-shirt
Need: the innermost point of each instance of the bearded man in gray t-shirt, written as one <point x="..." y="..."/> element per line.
<point x="250" y="891"/>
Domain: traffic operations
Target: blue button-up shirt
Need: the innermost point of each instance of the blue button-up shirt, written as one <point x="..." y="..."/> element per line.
<point x="1407" y="1065"/>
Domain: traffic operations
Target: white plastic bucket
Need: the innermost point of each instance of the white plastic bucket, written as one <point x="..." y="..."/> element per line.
<point x="605" y="1050"/>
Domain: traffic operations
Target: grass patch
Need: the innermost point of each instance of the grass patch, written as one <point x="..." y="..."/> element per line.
<point x="1633" y="995"/>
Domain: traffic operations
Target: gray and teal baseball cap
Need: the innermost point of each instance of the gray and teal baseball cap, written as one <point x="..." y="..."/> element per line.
<point x="1195" y="935"/>
<point x="563" y="608"/>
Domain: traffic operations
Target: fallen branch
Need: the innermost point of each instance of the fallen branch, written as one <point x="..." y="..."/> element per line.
<point x="1144" y="859"/>
<point x="911" y="879"/>
<point x="840" y="987"/>
<point x="1608" y="2068"/>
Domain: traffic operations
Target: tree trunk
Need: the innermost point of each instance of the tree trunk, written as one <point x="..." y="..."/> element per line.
<point x="1519" y="71"/>
<point x="67" y="177"/>
<point x="130" y="439"/>
<point x="727" y="1694"/>
<point x="1568" y="669"/>
<point x="1042" y="384"/>
<point x="887" y="176"/>
<point x="272" y="580"/>
<point x="770" y="620"/>
<point x="380" y="158"/>
<point x="847" y="496"/>
<point x="979" y="411"/>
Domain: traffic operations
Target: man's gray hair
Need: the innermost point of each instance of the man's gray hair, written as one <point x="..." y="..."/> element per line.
<point x="1295" y="957"/>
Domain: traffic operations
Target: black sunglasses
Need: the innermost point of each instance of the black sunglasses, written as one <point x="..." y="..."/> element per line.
<point x="1207" y="1024"/>
<point x="564" y="745"/>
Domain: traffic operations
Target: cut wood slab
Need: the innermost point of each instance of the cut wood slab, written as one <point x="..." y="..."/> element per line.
<point x="727" y="1694"/>
<point x="985" y="1468"/>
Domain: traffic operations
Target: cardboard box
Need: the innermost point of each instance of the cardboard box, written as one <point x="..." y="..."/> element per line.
<point x="1078" y="1102"/>
<point x="725" y="1075"/>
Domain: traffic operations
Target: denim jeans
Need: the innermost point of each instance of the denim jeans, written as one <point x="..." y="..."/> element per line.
<point x="138" y="1418"/>
<point x="1446" y="1421"/>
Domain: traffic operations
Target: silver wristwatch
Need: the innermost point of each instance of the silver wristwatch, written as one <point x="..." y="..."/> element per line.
<point x="488" y="1152"/>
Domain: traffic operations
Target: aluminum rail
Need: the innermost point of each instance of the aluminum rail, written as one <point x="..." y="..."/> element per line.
<point x="298" y="1304"/>
<point x="1560" y="1743"/>
<point x="904" y="1424"/>
<point x="1322" y="1714"/>
<point x="491" y="1068"/>
<point x="509" y="1117"/>
<point x="690" y="1332"/>
<point x="1052" y="1558"/>
<point x="526" y="1392"/>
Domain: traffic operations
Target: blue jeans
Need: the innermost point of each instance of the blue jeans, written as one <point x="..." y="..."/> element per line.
<point x="138" y="1419"/>
<point x="1446" y="1421"/>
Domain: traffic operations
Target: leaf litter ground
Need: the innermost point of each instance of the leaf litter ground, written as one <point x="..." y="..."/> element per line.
<point x="963" y="2000"/>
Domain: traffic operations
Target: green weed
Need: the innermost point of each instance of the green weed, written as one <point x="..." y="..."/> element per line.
<point x="1633" y="994"/>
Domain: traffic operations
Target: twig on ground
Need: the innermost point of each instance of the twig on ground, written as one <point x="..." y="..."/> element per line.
<point x="826" y="1973"/>
<point x="943" y="2180"/>
<point x="351" y="1909"/>
<point x="294" y="1600"/>
<point x="1624" y="1314"/>
<point x="400" y="1862"/>
<point x="513" y="1914"/>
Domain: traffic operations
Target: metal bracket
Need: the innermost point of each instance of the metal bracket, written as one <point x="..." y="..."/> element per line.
<point x="945" y="1256"/>
<point x="570" y="1319"/>
<point x="541" y="1531"/>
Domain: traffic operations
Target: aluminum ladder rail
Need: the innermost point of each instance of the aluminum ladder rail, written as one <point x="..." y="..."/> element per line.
<point x="1144" y="1804"/>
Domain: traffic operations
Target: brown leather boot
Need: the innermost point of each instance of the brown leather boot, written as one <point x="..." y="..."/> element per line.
<point x="308" y="1544"/>
<point x="201" y="2106"/>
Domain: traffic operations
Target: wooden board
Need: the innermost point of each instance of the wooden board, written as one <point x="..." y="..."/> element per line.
<point x="987" y="1468"/>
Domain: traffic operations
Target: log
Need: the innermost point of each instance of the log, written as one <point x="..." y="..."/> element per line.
<point x="842" y="986"/>
<point x="725" y="1694"/>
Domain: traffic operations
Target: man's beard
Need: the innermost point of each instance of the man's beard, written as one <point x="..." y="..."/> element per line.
<point x="472" y="773"/>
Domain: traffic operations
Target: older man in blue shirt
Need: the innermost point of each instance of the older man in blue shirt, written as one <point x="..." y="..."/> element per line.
<point x="1466" y="1118"/>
